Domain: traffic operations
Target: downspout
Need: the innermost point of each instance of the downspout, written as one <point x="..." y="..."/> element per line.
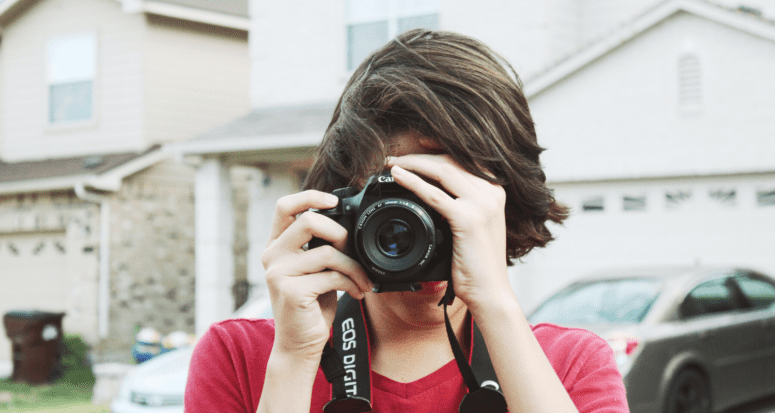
<point x="104" y="264"/>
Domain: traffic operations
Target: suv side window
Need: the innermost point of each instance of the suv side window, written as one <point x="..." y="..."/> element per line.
<point x="710" y="297"/>
<point x="758" y="292"/>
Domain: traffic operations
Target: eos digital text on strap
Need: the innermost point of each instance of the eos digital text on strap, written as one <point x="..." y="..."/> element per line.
<point x="347" y="366"/>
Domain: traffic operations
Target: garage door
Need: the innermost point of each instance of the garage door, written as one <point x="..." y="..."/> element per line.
<point x="33" y="275"/>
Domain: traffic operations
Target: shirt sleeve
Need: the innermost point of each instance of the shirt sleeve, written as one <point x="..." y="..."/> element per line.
<point x="214" y="383"/>
<point x="598" y="387"/>
<point x="586" y="366"/>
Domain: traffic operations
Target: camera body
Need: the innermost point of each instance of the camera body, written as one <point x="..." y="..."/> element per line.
<point x="398" y="239"/>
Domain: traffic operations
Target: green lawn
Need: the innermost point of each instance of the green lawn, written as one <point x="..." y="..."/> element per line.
<point x="70" y="393"/>
<point x="61" y="397"/>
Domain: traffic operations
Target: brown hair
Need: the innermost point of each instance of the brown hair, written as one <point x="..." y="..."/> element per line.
<point x="456" y="91"/>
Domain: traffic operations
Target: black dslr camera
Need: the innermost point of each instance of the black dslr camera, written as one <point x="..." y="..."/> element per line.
<point x="398" y="239"/>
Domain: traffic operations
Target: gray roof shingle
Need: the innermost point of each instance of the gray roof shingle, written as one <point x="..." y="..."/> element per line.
<point x="64" y="167"/>
<point x="273" y="121"/>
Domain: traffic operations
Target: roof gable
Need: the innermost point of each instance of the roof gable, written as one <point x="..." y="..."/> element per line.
<point x="642" y="112"/>
<point x="735" y="18"/>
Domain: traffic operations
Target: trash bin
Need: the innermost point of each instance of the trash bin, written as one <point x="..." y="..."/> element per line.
<point x="36" y="343"/>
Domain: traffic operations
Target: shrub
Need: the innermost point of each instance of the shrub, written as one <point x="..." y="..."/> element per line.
<point x="76" y="365"/>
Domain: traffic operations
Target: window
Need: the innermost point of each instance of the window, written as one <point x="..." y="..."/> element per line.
<point x="677" y="198"/>
<point x="710" y="297"/>
<point x="623" y="301"/>
<point x="759" y="293"/>
<point x="593" y="204"/>
<point x="634" y="203"/>
<point x="371" y="23"/>
<point x="70" y="75"/>
<point x="765" y="197"/>
<point x="723" y="197"/>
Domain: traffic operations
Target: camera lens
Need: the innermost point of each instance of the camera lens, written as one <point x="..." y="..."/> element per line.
<point x="395" y="238"/>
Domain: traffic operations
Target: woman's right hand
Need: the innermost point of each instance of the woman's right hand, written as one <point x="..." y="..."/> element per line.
<point x="302" y="284"/>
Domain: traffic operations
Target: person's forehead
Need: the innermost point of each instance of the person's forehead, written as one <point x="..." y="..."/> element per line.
<point x="408" y="143"/>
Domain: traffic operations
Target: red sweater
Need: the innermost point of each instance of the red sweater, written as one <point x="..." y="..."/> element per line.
<point x="229" y="363"/>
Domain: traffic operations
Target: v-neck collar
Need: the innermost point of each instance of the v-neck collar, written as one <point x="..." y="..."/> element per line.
<point x="408" y="390"/>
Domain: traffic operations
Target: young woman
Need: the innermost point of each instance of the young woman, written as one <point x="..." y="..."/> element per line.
<point x="447" y="117"/>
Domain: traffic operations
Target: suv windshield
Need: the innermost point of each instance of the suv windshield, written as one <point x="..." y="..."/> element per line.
<point x="623" y="301"/>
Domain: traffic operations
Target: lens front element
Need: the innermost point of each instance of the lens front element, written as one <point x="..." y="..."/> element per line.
<point x="395" y="238"/>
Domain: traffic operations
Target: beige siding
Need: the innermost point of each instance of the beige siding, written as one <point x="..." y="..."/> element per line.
<point x="196" y="78"/>
<point x="118" y="101"/>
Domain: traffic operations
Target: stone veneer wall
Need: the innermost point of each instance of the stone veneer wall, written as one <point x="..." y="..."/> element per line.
<point x="152" y="254"/>
<point x="152" y="262"/>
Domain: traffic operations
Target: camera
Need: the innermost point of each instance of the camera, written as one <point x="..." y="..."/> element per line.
<point x="398" y="239"/>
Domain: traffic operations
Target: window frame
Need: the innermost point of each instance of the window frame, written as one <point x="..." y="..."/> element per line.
<point x="80" y="123"/>
<point x="394" y="14"/>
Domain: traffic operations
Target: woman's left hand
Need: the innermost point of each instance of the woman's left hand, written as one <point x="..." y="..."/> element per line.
<point x="475" y="210"/>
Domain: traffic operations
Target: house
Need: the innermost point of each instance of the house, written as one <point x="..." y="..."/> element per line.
<point x="96" y="219"/>
<point x="564" y="52"/>
<point x="660" y="139"/>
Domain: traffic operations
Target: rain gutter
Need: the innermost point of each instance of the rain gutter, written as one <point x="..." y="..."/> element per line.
<point x="104" y="258"/>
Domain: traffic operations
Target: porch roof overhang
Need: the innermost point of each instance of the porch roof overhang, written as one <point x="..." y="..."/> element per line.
<point x="102" y="172"/>
<point x="263" y="136"/>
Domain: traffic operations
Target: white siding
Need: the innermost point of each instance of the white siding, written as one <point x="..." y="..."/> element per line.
<point x="196" y="78"/>
<point x="118" y="95"/>
<point x="516" y="30"/>
<point x="600" y="17"/>
<point x="297" y="51"/>
<point x="619" y="117"/>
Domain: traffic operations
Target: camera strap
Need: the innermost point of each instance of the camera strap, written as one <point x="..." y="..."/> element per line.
<point x="347" y="366"/>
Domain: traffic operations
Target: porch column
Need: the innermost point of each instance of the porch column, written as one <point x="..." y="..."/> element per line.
<point x="214" y="244"/>
<point x="269" y="185"/>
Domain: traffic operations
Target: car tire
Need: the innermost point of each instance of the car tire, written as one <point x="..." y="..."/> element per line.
<point x="689" y="392"/>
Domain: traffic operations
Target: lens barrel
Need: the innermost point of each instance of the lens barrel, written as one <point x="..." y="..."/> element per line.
<point x="395" y="237"/>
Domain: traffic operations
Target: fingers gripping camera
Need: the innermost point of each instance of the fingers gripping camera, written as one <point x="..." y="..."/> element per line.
<point x="398" y="239"/>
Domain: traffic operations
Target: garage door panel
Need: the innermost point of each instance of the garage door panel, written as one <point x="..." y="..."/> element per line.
<point x="33" y="275"/>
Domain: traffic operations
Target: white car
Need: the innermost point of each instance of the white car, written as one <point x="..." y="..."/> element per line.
<point x="158" y="385"/>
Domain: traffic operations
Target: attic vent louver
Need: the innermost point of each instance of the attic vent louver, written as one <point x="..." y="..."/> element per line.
<point x="689" y="82"/>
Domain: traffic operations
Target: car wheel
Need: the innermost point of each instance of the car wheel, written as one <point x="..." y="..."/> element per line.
<point x="689" y="393"/>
